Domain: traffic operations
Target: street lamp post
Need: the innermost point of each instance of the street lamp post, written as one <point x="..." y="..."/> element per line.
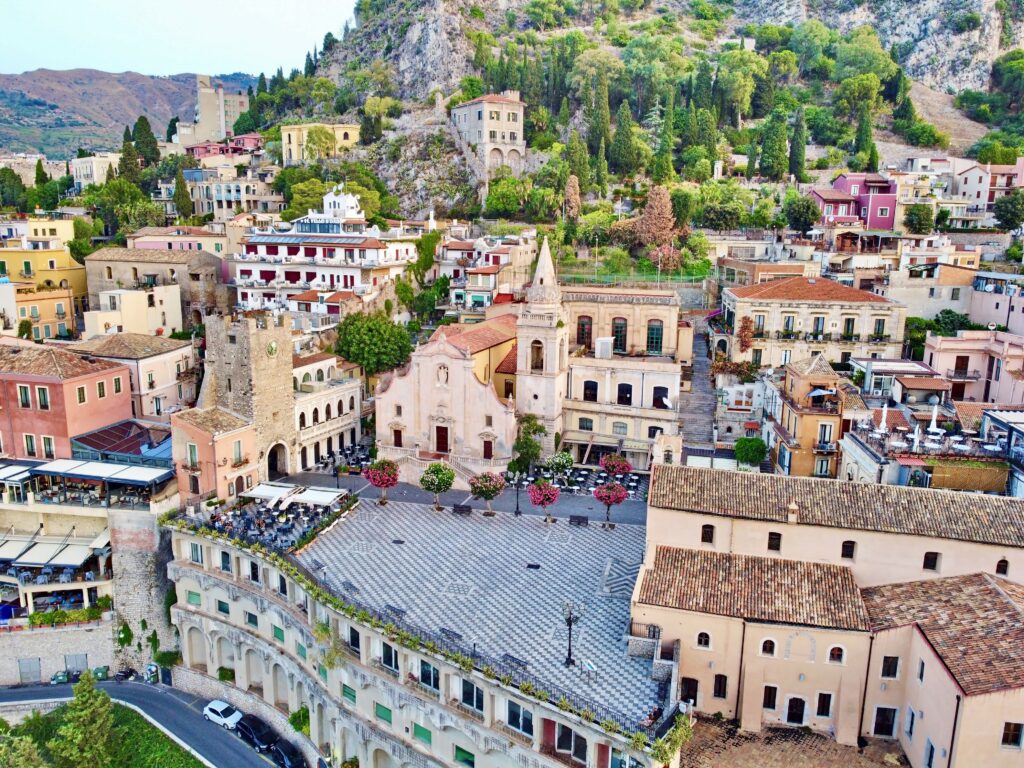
<point x="572" y="612"/>
<point x="516" y="478"/>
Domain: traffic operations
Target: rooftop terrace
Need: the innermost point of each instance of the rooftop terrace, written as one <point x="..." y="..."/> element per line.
<point x="496" y="585"/>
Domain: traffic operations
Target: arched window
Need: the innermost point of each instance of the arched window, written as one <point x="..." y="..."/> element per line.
<point x="590" y="391"/>
<point x="585" y="331"/>
<point x="1003" y="567"/>
<point x="707" y="534"/>
<point x="619" y="327"/>
<point x="655" y="336"/>
<point x="625" y="394"/>
<point x="306" y="378"/>
<point x="316" y="415"/>
<point x="109" y="273"/>
<point x="341" y="407"/>
<point x="351" y="403"/>
<point x="836" y="655"/>
<point x="536" y="356"/>
<point x="768" y="648"/>
<point x="320" y="374"/>
<point x="327" y="412"/>
<point x="344" y="135"/>
<point x="302" y="421"/>
<point x="703" y="640"/>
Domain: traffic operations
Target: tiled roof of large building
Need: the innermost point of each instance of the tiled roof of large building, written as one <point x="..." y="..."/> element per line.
<point x="816" y="365"/>
<point x="128" y="346"/>
<point x="49" y="361"/>
<point x="816" y="289"/>
<point x="509" y="363"/>
<point x="150" y="255"/>
<point x="836" y="504"/>
<point x="754" y="588"/>
<point x="213" y="421"/>
<point x="969" y="414"/>
<point x="298" y="361"/>
<point x="479" y="336"/>
<point x="975" y="624"/>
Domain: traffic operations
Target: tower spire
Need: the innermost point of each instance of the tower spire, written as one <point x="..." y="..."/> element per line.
<point x="544" y="288"/>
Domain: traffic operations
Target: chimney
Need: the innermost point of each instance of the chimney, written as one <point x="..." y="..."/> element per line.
<point x="793" y="513"/>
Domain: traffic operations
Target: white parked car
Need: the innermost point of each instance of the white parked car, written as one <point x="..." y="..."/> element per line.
<point x="222" y="713"/>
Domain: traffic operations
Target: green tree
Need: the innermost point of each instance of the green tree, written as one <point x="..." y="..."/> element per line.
<point x="919" y="219"/>
<point x="12" y="189"/>
<point x="182" y="198"/>
<point x="703" y="85"/>
<point x="128" y="166"/>
<point x="373" y="341"/>
<point x="437" y="478"/>
<point x="505" y="196"/>
<point x="319" y="143"/>
<point x="601" y="171"/>
<point x="426" y="248"/>
<point x="863" y="140"/>
<point x="751" y="451"/>
<point x="172" y="129"/>
<point x="84" y="738"/>
<point x="751" y="169"/>
<point x="801" y="213"/>
<point x="862" y="53"/>
<point x="722" y="215"/>
<point x="873" y="159"/>
<point x="245" y="123"/>
<point x="707" y="133"/>
<point x="20" y="752"/>
<point x="145" y="141"/>
<point x="579" y="160"/>
<point x="599" y="126"/>
<point x="808" y="42"/>
<point x="526" y="449"/>
<point x="798" y="147"/>
<point x="306" y="196"/>
<point x="41" y="177"/>
<point x="544" y="14"/>
<point x="774" y="149"/>
<point x="856" y="93"/>
<point x="127" y="135"/>
<point x="662" y="171"/>
<point x="1009" y="210"/>
<point x="622" y="153"/>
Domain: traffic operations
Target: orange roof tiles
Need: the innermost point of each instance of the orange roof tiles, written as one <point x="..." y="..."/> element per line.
<point x="814" y="289"/>
<point x="479" y="336"/>
<point x="508" y="363"/>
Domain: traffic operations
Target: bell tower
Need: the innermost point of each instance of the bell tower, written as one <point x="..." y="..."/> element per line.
<point x="542" y="340"/>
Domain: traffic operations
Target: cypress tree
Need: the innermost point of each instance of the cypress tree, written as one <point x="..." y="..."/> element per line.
<point x="41" y="177"/>
<point x="563" y="112"/>
<point x="601" y="171"/>
<point x="773" y="148"/>
<point x="707" y="133"/>
<point x="798" y="146"/>
<point x="182" y="199"/>
<point x="863" y="140"/>
<point x="310" y="67"/>
<point x="751" y="160"/>
<point x="662" y="171"/>
<point x="762" y="101"/>
<point x="689" y="136"/>
<point x="599" y="115"/>
<point x="622" y="153"/>
<point x="145" y="141"/>
<point x="905" y="112"/>
<point x="873" y="158"/>
<point x="172" y="128"/>
<point x="128" y="167"/>
<point x="84" y="737"/>
<point x="261" y="84"/>
<point x="703" y="85"/>
<point x="127" y="135"/>
<point x="579" y="160"/>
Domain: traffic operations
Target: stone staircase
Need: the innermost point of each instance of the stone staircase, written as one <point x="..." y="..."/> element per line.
<point x="697" y="407"/>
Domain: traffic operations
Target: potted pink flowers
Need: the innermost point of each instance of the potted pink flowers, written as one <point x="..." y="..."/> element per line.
<point x="543" y="494"/>
<point x="487" y="486"/>
<point x="382" y="474"/>
<point x="610" y="494"/>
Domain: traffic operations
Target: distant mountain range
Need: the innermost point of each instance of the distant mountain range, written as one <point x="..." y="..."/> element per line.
<point x="56" y="112"/>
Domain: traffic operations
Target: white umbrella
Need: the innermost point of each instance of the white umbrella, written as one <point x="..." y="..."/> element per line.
<point x="917" y="438"/>
<point x="935" y="417"/>
<point x="884" y="426"/>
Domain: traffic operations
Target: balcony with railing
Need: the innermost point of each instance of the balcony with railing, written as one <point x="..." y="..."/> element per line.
<point x="962" y="374"/>
<point x="824" y="448"/>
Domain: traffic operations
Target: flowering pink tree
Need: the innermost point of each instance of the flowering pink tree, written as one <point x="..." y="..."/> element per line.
<point x="615" y="464"/>
<point x="382" y="474"/>
<point x="610" y="494"/>
<point x="543" y="494"/>
<point x="487" y="486"/>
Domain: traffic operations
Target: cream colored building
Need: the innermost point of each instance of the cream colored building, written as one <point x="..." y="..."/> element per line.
<point x="95" y="169"/>
<point x="928" y="289"/>
<point x="150" y="311"/>
<point x="328" y="404"/>
<point x="162" y="371"/>
<point x="799" y="317"/>
<point x="216" y="113"/>
<point x="493" y="126"/>
<point x="293" y="140"/>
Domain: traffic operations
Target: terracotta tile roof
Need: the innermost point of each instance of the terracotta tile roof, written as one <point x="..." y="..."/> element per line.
<point x="816" y="365"/>
<point x="813" y="289"/>
<point x="145" y="255"/>
<point x="969" y="414"/>
<point x="489" y="98"/>
<point x="213" y="421"/>
<point x="318" y="357"/>
<point x="503" y="298"/>
<point x="924" y="382"/>
<point x="490" y="269"/>
<point x="766" y="589"/>
<point x="893" y="418"/>
<point x="339" y="296"/>
<point x="457" y="245"/>
<point x="850" y="396"/>
<point x="129" y="346"/>
<point x="50" y="361"/>
<point x="479" y="336"/>
<point x="975" y="623"/>
<point x="508" y="363"/>
<point x="834" y="195"/>
<point x="305" y="296"/>
<point x="837" y="504"/>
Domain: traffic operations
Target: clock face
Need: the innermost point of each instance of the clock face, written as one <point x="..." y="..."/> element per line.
<point x="272" y="349"/>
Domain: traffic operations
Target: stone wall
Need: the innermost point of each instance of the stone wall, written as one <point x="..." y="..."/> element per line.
<point x="206" y="687"/>
<point x="50" y="646"/>
<point x="16" y="711"/>
<point x="140" y="556"/>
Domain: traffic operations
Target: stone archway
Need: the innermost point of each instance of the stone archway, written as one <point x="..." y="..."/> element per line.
<point x="381" y="759"/>
<point x="195" y="642"/>
<point x="514" y="161"/>
<point x="225" y="653"/>
<point x="495" y="159"/>
<point x="254" y="671"/>
<point x="277" y="461"/>
<point x="280" y="679"/>
<point x="722" y="346"/>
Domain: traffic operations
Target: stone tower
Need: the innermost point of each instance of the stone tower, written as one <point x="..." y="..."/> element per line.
<point x="542" y="338"/>
<point x="249" y="372"/>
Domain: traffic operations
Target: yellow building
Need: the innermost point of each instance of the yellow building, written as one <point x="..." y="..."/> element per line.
<point x="48" y="310"/>
<point x="293" y="140"/>
<point x="50" y="266"/>
<point x="46" y="228"/>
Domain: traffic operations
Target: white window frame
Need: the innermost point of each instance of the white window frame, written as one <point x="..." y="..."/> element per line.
<point x="829" y="653"/>
<point x="760" y="648"/>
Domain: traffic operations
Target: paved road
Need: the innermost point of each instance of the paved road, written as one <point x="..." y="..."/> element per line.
<point x="634" y="512"/>
<point x="180" y="713"/>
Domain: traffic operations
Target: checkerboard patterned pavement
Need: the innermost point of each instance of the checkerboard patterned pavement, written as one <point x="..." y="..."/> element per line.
<point x="470" y="575"/>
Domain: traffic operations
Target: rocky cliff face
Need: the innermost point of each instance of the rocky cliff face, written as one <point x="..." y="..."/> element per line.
<point x="924" y="32"/>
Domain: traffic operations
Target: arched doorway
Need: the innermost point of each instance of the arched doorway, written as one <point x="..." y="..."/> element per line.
<point x="196" y="644"/>
<point x="722" y="346"/>
<point x="304" y="458"/>
<point x="239" y="485"/>
<point x="197" y="317"/>
<point x="277" y="461"/>
<point x="225" y="656"/>
<point x="382" y="759"/>
<point x="254" y="672"/>
<point x="495" y="159"/>
<point x="280" y="688"/>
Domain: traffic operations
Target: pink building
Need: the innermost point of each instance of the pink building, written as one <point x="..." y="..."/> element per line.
<point x="50" y="396"/>
<point x="875" y="196"/>
<point x="177" y="239"/>
<point x="214" y="453"/>
<point x="247" y="142"/>
<point x="985" y="366"/>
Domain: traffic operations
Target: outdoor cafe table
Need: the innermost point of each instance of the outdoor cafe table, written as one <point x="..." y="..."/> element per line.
<point x="992" y="448"/>
<point x="897" y="444"/>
